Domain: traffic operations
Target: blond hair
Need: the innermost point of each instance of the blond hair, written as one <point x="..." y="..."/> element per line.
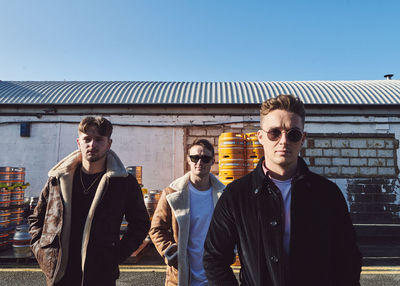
<point x="286" y="102"/>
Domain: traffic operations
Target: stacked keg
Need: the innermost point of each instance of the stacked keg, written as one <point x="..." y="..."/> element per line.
<point x="231" y="157"/>
<point x="254" y="151"/>
<point x="12" y="185"/>
<point x="238" y="155"/>
<point x="135" y="171"/>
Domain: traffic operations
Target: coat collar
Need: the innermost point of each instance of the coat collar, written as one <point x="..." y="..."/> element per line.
<point x="179" y="200"/>
<point x="114" y="168"/>
<point x="260" y="178"/>
<point x="181" y="183"/>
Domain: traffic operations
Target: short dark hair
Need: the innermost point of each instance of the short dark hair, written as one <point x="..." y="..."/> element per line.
<point x="103" y="126"/>
<point x="204" y="143"/>
<point x="286" y="102"/>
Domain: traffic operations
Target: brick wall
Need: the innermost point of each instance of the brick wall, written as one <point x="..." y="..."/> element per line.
<point x="366" y="162"/>
<point x="351" y="156"/>
<point x="374" y="200"/>
<point x="368" y="165"/>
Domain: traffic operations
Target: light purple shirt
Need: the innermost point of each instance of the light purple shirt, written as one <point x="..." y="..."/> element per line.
<point x="285" y="187"/>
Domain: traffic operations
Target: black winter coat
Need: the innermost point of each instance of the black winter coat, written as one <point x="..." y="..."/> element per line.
<point x="250" y="214"/>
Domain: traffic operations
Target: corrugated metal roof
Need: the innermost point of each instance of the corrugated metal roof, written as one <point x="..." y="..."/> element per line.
<point x="366" y="92"/>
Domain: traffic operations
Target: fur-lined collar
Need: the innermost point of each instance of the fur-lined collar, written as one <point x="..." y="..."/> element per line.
<point x="115" y="168"/>
<point x="181" y="183"/>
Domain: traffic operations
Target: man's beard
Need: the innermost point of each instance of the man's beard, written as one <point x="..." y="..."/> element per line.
<point x="96" y="157"/>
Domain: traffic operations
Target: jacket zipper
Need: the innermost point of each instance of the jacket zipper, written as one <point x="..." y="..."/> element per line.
<point x="59" y="241"/>
<point x="59" y="260"/>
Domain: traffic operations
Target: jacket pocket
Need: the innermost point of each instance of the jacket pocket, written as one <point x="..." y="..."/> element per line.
<point x="47" y="239"/>
<point x="46" y="251"/>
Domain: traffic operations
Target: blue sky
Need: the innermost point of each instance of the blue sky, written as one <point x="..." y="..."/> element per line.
<point x="203" y="40"/>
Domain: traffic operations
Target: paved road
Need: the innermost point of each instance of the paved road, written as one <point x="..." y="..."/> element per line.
<point x="142" y="275"/>
<point x="150" y="271"/>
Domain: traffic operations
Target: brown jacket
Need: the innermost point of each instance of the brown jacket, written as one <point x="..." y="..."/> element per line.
<point x="50" y="224"/>
<point x="171" y="224"/>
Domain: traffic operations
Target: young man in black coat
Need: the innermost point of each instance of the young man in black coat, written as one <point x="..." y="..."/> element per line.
<point x="290" y="226"/>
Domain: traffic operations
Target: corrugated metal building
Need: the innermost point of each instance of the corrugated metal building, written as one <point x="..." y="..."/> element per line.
<point x="353" y="129"/>
<point x="376" y="92"/>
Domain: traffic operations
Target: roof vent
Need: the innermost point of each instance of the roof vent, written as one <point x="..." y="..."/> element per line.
<point x="388" y="76"/>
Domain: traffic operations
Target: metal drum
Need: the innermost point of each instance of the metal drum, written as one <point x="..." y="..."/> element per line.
<point x="5" y="216"/>
<point x="17" y="216"/>
<point x="135" y="171"/>
<point x="11" y="232"/>
<point x="3" y="239"/>
<point x="17" y="196"/>
<point x="5" y="197"/>
<point x="254" y="151"/>
<point x="231" y="139"/>
<point x="18" y="175"/>
<point x="231" y="156"/>
<point x="229" y="175"/>
<point x="12" y="175"/>
<point x="6" y="175"/>
<point x="151" y="200"/>
<point x="21" y="241"/>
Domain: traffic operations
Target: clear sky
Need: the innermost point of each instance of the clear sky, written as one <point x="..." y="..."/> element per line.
<point x="199" y="40"/>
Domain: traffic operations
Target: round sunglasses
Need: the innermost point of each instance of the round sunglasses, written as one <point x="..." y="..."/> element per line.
<point x="195" y="158"/>
<point x="293" y="135"/>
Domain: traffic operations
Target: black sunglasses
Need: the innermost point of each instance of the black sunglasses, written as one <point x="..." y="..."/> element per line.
<point x="196" y="158"/>
<point x="293" y="135"/>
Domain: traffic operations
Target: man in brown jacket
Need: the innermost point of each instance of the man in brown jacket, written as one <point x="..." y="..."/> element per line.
<point x="75" y="227"/>
<point x="180" y="222"/>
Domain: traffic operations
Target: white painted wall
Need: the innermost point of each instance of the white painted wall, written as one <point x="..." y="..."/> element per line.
<point x="159" y="150"/>
<point x="154" y="142"/>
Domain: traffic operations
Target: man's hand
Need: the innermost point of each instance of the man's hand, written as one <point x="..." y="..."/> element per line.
<point x="171" y="253"/>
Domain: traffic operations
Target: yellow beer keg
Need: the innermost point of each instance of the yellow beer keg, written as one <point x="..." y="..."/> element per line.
<point x="254" y="151"/>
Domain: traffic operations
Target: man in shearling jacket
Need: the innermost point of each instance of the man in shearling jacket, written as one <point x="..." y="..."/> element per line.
<point x="181" y="219"/>
<point x="291" y="226"/>
<point x="75" y="226"/>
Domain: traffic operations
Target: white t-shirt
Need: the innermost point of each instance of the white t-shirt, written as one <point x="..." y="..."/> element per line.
<point x="201" y="210"/>
<point x="285" y="188"/>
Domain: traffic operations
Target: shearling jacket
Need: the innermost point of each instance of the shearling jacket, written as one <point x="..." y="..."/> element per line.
<point x="250" y="214"/>
<point x="117" y="194"/>
<point x="171" y="224"/>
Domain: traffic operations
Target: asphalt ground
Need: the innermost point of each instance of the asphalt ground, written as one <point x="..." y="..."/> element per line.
<point x="149" y="270"/>
<point x="151" y="275"/>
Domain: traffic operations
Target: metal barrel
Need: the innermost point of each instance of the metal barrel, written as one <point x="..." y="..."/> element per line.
<point x="5" y="197"/>
<point x="6" y="175"/>
<point x="151" y="200"/>
<point x="231" y="157"/>
<point x="21" y="241"/>
<point x="17" y="196"/>
<point x="254" y="151"/>
<point x="18" y="175"/>
<point x="135" y="171"/>
<point x="11" y="175"/>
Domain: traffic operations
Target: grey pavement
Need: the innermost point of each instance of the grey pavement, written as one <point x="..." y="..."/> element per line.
<point x="150" y="271"/>
<point x="154" y="278"/>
